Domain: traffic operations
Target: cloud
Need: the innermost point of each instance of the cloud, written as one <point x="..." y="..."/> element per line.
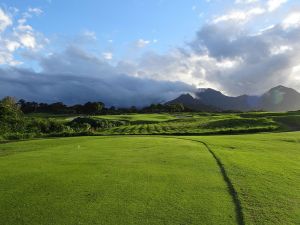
<point x="17" y="34"/>
<point x="28" y="40"/>
<point x="12" y="45"/>
<point x="242" y="51"/>
<point x="239" y="15"/>
<point x="141" y="43"/>
<point x="5" y="20"/>
<point x="36" y="11"/>
<point x="245" y="1"/>
<point x="292" y="20"/>
<point x="90" y="35"/>
<point x="75" y="76"/>
<point x="254" y="62"/>
<point x="107" y="55"/>
<point x="275" y="4"/>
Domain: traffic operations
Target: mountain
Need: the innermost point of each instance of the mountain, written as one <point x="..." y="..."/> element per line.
<point x="277" y="99"/>
<point x="192" y="103"/>
<point x="281" y="98"/>
<point x="217" y="99"/>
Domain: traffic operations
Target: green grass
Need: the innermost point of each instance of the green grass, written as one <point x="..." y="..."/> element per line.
<point x="203" y="123"/>
<point x="188" y="123"/>
<point x="289" y="122"/>
<point x="121" y="180"/>
<point x="241" y="179"/>
<point x="59" y="117"/>
<point x="199" y="125"/>
<point x="265" y="171"/>
<point x="151" y="180"/>
<point x="155" y="117"/>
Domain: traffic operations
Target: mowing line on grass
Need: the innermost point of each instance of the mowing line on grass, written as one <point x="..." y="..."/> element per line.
<point x="233" y="193"/>
<point x="231" y="189"/>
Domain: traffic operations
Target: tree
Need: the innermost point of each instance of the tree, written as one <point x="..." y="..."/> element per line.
<point x="10" y="115"/>
<point x="28" y="107"/>
<point x="176" y="107"/>
<point x="93" y="107"/>
<point x="11" y="103"/>
<point x="58" y="107"/>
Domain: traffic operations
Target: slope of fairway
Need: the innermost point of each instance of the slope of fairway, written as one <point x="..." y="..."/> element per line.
<point x="265" y="172"/>
<point x="104" y="180"/>
<point x="155" y="117"/>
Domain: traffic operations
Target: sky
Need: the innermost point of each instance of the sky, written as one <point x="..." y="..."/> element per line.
<point x="137" y="52"/>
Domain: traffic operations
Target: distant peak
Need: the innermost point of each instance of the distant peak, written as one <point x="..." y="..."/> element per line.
<point x="282" y="89"/>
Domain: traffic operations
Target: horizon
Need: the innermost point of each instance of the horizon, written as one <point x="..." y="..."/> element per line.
<point x="138" y="53"/>
<point x="192" y="94"/>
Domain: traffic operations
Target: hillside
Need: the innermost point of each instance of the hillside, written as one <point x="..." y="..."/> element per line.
<point x="277" y="99"/>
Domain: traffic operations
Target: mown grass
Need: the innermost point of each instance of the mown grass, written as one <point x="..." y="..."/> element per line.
<point x="200" y="125"/>
<point x="178" y="123"/>
<point x="111" y="180"/>
<point x="156" y="179"/>
<point x="59" y="117"/>
<point x="265" y="171"/>
<point x="151" y="180"/>
<point x="155" y="117"/>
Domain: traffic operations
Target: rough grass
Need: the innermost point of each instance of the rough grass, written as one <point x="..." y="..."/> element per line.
<point x="199" y="125"/>
<point x="121" y="180"/>
<point x="289" y="122"/>
<point x="155" y="117"/>
<point x="189" y="123"/>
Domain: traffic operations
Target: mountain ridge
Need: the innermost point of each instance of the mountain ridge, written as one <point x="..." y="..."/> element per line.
<point x="279" y="98"/>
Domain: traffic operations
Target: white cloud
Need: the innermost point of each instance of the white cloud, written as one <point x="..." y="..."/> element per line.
<point x="28" y="40"/>
<point x="5" y="20"/>
<point x="275" y="4"/>
<point x="276" y="50"/>
<point x="296" y="73"/>
<point x="292" y="20"/>
<point x="245" y="1"/>
<point x="12" y="45"/>
<point x="90" y="34"/>
<point x="239" y="15"/>
<point x="22" y="27"/>
<point x="17" y="34"/>
<point x="36" y="11"/>
<point x="141" y="43"/>
<point x="107" y="55"/>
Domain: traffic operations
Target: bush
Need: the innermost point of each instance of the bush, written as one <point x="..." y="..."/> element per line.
<point x="19" y="136"/>
<point x="80" y="123"/>
<point x="38" y="125"/>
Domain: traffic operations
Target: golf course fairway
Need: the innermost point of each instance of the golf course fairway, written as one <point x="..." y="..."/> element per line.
<point x="240" y="179"/>
<point x="112" y="180"/>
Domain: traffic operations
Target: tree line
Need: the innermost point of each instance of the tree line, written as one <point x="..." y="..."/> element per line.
<point x="95" y="108"/>
<point x="15" y="125"/>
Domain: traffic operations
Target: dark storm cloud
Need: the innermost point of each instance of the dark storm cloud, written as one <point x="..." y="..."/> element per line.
<point x="76" y="77"/>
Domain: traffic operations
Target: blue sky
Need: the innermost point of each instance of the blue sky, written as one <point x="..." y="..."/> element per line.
<point x="169" y="22"/>
<point x="117" y="25"/>
<point x="236" y="46"/>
